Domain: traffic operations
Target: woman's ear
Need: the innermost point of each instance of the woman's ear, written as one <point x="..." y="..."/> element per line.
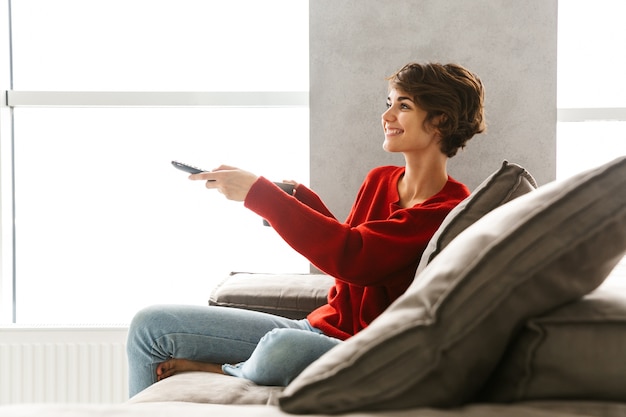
<point x="439" y="119"/>
<point x="436" y="121"/>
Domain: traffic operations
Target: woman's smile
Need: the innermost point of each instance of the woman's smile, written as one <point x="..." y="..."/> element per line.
<point x="393" y="131"/>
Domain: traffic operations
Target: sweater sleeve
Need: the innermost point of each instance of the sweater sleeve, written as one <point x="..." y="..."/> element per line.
<point x="308" y="197"/>
<point x="361" y="255"/>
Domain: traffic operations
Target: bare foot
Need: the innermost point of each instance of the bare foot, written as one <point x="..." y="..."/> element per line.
<point x="176" y="365"/>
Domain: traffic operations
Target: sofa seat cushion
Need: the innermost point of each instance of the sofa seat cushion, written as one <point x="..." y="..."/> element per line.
<point x="206" y="387"/>
<point x="187" y="409"/>
<point x="289" y="295"/>
<point x="439" y="342"/>
<point x="575" y="352"/>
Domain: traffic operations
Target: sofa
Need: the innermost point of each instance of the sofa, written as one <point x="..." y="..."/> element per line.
<point x="506" y="316"/>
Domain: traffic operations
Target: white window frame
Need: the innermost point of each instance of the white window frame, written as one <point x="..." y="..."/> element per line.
<point x="156" y="99"/>
<point x="606" y="114"/>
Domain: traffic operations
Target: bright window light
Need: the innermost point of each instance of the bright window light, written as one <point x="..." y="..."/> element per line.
<point x="161" y="45"/>
<point x="591" y="76"/>
<point x="585" y="145"/>
<point x="591" y="58"/>
<point x="104" y="225"/>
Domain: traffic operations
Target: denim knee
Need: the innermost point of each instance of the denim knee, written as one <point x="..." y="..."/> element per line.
<point x="146" y="327"/>
<point x="142" y="323"/>
<point x="281" y="355"/>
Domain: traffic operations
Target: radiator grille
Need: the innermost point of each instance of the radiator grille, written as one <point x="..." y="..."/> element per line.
<point x="76" y="372"/>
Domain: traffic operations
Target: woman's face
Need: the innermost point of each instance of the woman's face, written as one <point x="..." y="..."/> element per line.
<point x="404" y="125"/>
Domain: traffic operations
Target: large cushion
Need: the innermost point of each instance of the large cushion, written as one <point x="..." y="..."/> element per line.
<point x="439" y="342"/>
<point x="289" y="295"/>
<point x="507" y="183"/>
<point x="575" y="352"/>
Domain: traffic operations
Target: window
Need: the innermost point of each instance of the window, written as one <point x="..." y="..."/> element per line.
<point x="591" y="95"/>
<point x="103" y="95"/>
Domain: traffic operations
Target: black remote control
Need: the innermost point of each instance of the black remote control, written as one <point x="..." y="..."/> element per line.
<point x="188" y="168"/>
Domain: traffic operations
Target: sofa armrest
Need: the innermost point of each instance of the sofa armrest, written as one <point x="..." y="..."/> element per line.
<point x="288" y="295"/>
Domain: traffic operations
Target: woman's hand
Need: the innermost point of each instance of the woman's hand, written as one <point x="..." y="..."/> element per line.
<point x="233" y="182"/>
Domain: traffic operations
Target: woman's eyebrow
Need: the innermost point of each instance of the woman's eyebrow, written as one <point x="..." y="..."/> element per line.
<point x="401" y="98"/>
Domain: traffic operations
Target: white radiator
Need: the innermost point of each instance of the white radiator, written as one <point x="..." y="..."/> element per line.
<point x="77" y="365"/>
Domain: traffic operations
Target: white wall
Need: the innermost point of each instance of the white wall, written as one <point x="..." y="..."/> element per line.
<point x="355" y="44"/>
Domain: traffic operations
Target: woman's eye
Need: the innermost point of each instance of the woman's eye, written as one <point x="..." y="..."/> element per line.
<point x="387" y="105"/>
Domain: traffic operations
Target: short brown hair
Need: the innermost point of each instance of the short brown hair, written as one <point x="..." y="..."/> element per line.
<point x="449" y="91"/>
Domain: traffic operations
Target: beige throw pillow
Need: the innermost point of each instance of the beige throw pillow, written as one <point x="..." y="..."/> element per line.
<point x="439" y="342"/>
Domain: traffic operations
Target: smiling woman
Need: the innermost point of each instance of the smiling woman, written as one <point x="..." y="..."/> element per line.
<point x="372" y="256"/>
<point x="96" y="222"/>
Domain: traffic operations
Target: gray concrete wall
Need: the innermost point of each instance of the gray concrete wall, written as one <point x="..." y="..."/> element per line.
<point x="355" y="44"/>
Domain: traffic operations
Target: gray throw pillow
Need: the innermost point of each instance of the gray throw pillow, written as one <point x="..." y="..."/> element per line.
<point x="438" y="343"/>
<point x="507" y="183"/>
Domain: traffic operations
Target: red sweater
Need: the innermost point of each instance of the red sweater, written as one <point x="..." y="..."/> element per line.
<point x="373" y="255"/>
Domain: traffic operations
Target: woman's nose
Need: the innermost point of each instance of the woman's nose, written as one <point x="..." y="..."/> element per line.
<point x="388" y="114"/>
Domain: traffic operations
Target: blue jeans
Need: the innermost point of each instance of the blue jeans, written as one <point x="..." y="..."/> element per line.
<point x="267" y="349"/>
